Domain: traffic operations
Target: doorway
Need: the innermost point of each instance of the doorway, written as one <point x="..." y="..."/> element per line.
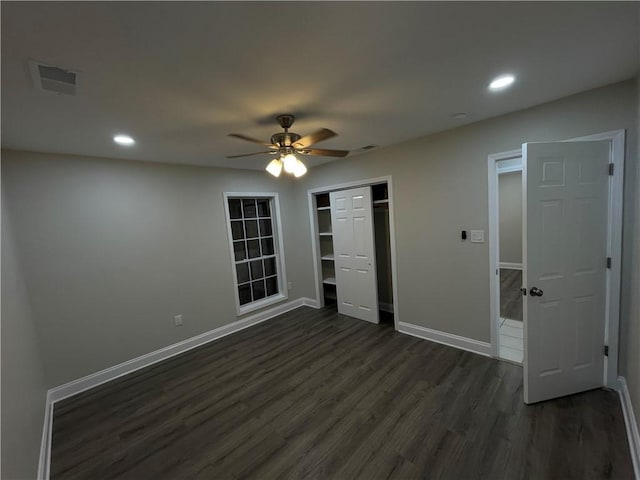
<point x="557" y="344"/>
<point x="324" y="218"/>
<point x="509" y="237"/>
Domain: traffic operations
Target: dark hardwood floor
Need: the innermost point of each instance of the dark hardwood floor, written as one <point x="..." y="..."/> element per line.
<point x="510" y="295"/>
<point x="313" y="394"/>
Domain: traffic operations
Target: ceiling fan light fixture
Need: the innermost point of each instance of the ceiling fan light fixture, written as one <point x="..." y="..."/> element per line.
<point x="286" y="144"/>
<point x="290" y="162"/>
<point x="275" y="167"/>
<point x="300" y="169"/>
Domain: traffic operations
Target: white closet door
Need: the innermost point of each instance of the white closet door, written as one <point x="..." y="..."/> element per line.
<point x="354" y="253"/>
<point x="565" y="264"/>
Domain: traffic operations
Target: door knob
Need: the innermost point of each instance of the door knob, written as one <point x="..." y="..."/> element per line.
<point x="535" y="292"/>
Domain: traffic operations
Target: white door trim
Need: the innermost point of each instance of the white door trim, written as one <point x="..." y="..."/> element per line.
<point x="514" y="168"/>
<point x="614" y="247"/>
<point x="315" y="247"/>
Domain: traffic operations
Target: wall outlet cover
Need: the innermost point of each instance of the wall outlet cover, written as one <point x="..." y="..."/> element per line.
<point x="477" y="236"/>
<point x="177" y="320"/>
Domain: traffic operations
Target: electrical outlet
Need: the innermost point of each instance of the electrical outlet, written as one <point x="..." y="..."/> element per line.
<point x="289" y="285"/>
<point x="177" y="319"/>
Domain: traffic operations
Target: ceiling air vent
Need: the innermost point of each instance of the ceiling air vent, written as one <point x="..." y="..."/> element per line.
<point x="54" y="79"/>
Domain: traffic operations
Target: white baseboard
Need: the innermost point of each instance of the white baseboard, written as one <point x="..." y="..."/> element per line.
<point x="511" y="265"/>
<point x="90" y="381"/>
<point x="631" y="424"/>
<point x="385" y="307"/>
<point x="464" y="343"/>
<point x="310" y="302"/>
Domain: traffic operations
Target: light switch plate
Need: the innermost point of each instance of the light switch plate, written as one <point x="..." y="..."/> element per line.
<point x="477" y="236"/>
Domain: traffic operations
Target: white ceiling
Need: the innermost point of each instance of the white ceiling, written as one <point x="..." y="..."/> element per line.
<point x="180" y="76"/>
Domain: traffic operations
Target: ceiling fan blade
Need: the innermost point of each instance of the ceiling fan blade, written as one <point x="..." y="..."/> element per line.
<point x="250" y="139"/>
<point x="325" y="153"/>
<point x="248" y="154"/>
<point x="315" y="137"/>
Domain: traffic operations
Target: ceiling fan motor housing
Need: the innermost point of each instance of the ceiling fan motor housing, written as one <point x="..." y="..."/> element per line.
<point x="284" y="139"/>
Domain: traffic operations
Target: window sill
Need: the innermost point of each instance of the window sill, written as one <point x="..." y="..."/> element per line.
<point x="261" y="304"/>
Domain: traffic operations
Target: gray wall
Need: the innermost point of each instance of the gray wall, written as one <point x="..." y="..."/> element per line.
<point x="630" y="352"/>
<point x="510" y="216"/>
<point x="23" y="386"/>
<point x="440" y="187"/>
<point x="113" y="249"/>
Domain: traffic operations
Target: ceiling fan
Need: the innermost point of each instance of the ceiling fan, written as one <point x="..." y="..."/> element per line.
<point x="286" y="144"/>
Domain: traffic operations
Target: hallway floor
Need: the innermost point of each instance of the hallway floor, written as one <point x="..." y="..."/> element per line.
<point x="510" y="295"/>
<point x="511" y="340"/>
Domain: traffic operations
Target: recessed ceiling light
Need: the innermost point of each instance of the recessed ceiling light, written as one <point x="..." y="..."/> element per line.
<point x="125" y="140"/>
<point x="503" y="81"/>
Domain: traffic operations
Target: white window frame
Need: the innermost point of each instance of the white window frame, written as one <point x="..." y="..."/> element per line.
<point x="278" y="247"/>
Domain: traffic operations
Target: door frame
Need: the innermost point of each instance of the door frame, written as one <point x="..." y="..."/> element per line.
<point x="315" y="246"/>
<point x="614" y="246"/>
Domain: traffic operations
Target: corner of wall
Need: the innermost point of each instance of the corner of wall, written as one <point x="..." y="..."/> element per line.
<point x="23" y="384"/>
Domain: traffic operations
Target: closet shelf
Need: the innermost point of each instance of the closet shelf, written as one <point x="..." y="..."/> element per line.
<point x="380" y="202"/>
<point x="325" y="234"/>
<point x="328" y="257"/>
<point x="323" y="209"/>
<point x="329" y="281"/>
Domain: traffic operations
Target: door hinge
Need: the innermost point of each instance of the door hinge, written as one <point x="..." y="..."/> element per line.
<point x="606" y="350"/>
<point x="611" y="169"/>
<point x="609" y="262"/>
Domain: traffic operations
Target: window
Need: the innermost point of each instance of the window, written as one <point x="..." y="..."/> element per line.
<point x="256" y="250"/>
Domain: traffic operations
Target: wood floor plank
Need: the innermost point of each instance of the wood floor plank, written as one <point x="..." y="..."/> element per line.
<point x="312" y="394"/>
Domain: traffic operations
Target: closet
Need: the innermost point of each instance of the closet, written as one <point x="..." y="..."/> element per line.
<point x="353" y="250"/>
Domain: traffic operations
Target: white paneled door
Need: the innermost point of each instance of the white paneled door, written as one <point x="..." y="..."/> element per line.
<point x="565" y="261"/>
<point x="354" y="253"/>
